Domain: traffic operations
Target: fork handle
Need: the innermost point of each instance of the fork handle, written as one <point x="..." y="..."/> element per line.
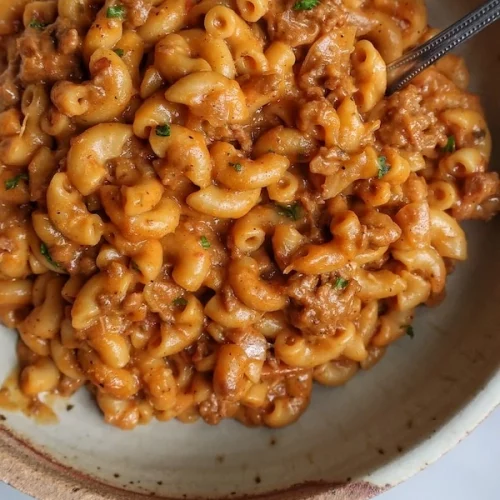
<point x="404" y="69"/>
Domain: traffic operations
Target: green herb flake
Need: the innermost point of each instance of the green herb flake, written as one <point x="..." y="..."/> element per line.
<point x="45" y="252"/>
<point x="204" y="242"/>
<point x="451" y="145"/>
<point x="383" y="166"/>
<point x="119" y="52"/>
<point x="237" y="166"/>
<point x="12" y="183"/>
<point x="340" y="283"/>
<point x="134" y="266"/>
<point x="116" y="12"/>
<point x="409" y="331"/>
<point x="293" y="211"/>
<point x="163" y="130"/>
<point x="305" y="4"/>
<point x="37" y="25"/>
<point x="180" y="302"/>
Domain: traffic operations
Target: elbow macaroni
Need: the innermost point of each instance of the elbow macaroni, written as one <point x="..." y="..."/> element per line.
<point x="228" y="208"/>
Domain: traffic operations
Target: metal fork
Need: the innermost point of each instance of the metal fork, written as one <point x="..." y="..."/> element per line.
<point x="404" y="69"/>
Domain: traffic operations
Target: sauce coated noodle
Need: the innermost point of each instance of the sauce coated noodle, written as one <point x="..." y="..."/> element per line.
<point x="207" y="206"/>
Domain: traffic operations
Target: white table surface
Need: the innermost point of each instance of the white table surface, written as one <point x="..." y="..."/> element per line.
<point x="469" y="472"/>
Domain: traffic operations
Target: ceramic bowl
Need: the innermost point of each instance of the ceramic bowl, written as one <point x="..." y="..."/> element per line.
<point x="354" y="442"/>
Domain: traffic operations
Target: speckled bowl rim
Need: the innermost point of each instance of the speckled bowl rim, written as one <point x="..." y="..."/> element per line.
<point x="36" y="473"/>
<point x="28" y="470"/>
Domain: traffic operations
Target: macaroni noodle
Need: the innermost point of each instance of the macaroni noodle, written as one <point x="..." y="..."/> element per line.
<point x="208" y="205"/>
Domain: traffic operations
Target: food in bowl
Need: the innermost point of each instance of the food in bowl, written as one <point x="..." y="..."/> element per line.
<point x="207" y="206"/>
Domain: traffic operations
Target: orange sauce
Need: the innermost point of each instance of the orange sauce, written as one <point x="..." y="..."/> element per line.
<point x="12" y="399"/>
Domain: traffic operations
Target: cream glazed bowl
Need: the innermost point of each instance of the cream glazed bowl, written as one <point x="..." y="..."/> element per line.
<point x="353" y="443"/>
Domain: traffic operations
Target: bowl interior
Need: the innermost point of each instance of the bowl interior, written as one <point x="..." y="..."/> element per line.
<point x="447" y="375"/>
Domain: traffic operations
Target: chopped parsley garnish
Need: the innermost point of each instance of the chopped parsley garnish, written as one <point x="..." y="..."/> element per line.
<point x="409" y="331"/>
<point x="163" y="130"/>
<point x="305" y="4"/>
<point x="340" y="283"/>
<point x="135" y="267"/>
<point x="12" y="183"/>
<point x="38" y="25"/>
<point x="45" y="252"/>
<point x="293" y="211"/>
<point x="451" y="145"/>
<point x="204" y="242"/>
<point x="119" y="52"/>
<point x="237" y="166"/>
<point x="383" y="167"/>
<point x="180" y="302"/>
<point x="117" y="11"/>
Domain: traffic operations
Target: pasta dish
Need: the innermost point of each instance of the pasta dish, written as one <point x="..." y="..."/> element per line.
<point x="206" y="206"/>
